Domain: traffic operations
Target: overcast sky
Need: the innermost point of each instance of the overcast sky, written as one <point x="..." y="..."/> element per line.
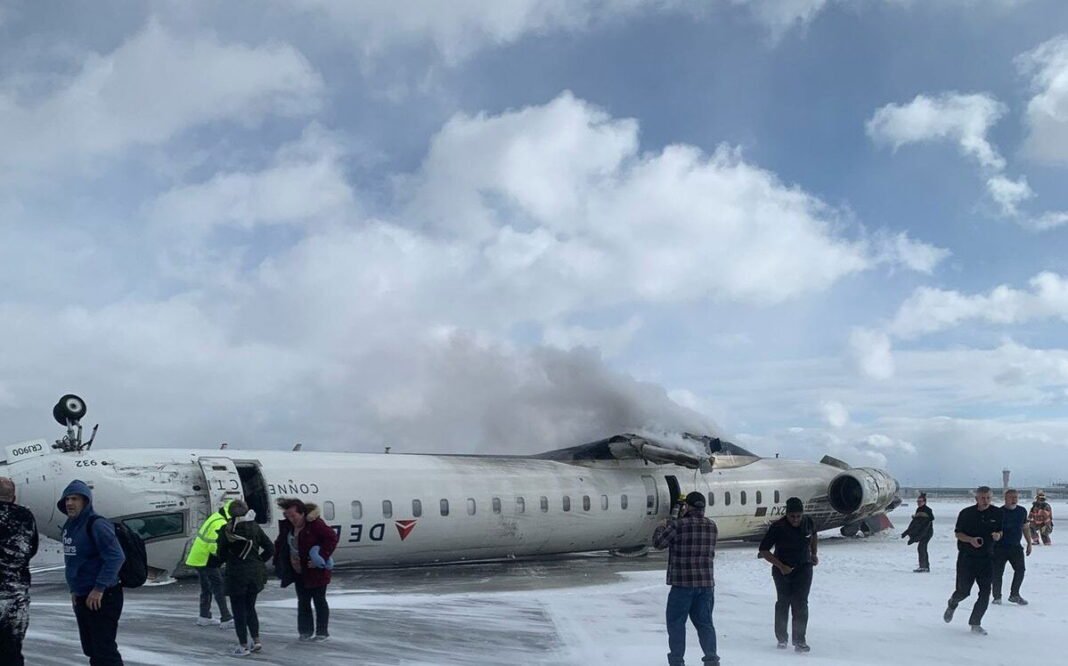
<point x="811" y="226"/>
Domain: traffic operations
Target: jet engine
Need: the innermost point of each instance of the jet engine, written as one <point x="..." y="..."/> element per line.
<point x="862" y="490"/>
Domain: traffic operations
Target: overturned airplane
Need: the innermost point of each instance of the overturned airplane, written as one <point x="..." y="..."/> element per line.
<point x="414" y="509"/>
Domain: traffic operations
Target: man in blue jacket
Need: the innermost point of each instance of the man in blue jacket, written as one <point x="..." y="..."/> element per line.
<point x="93" y="558"/>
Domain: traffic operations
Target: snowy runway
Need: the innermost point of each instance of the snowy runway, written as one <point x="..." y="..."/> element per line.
<point x="867" y="607"/>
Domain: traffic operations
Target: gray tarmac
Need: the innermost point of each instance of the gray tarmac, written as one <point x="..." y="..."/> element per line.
<point x="457" y="614"/>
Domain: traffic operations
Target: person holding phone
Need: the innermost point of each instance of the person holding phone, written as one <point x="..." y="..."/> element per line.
<point x="978" y="527"/>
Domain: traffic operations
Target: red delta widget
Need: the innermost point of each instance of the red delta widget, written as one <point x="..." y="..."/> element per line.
<point x="358" y="533"/>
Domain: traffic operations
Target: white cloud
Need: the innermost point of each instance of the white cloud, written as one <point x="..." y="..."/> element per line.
<point x="610" y="341"/>
<point x="929" y="310"/>
<point x="1047" y="110"/>
<point x="151" y="88"/>
<point x="304" y="184"/>
<point x="962" y="119"/>
<point x="872" y="353"/>
<point x="460" y="28"/>
<point x="1009" y="194"/>
<point x="780" y="16"/>
<point x="834" y="413"/>
<point x="560" y="192"/>
<point x="899" y="249"/>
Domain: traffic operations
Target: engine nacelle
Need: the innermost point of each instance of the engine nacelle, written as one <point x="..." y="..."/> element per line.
<point x="862" y="490"/>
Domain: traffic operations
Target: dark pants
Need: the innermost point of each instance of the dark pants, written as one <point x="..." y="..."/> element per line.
<point x="246" y="621"/>
<point x="695" y="603"/>
<point x="97" y="628"/>
<point x="1013" y="555"/>
<point x="792" y="598"/>
<point x="973" y="570"/>
<point x="921" y="551"/>
<point x="14" y="619"/>
<point x="305" y="597"/>
<point x="211" y="585"/>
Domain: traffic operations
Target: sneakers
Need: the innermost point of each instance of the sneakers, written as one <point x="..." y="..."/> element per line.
<point x="781" y="645"/>
<point x="1018" y="600"/>
<point x="976" y="629"/>
<point x="206" y="622"/>
<point x="239" y="651"/>
<point x="947" y="617"/>
<point x="921" y="570"/>
<point x="255" y="645"/>
<point x="226" y="624"/>
<point x="801" y="646"/>
<point x="305" y="637"/>
<point x="997" y="600"/>
<point x="319" y="638"/>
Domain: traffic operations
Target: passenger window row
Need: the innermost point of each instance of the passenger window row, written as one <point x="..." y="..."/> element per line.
<point x="496" y="505"/>
<point x="743" y="497"/>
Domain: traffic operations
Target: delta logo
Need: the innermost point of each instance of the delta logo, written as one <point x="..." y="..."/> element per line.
<point x="404" y="528"/>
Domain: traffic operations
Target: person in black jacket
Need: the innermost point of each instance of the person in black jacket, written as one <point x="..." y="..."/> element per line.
<point x="920" y="531"/>
<point x="18" y="544"/>
<point x="794" y="539"/>
<point x="244" y="550"/>
<point x="978" y="527"/>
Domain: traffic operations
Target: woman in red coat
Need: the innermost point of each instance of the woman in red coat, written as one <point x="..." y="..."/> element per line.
<point x="301" y="554"/>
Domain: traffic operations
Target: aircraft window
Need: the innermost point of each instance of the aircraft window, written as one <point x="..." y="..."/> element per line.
<point x="357" y="510"/>
<point x="760" y="498"/>
<point x="776" y="496"/>
<point x="387" y="509"/>
<point x="157" y="526"/>
<point x="417" y="508"/>
<point x="727" y="498"/>
<point x="544" y="504"/>
<point x="743" y="497"/>
<point x="328" y="510"/>
<point x="623" y="502"/>
<point x="520" y="505"/>
<point x="470" y="506"/>
<point x="567" y="502"/>
<point x="604" y="502"/>
<point x="496" y="505"/>
<point x="711" y="499"/>
<point x="585" y="502"/>
<point x="444" y="507"/>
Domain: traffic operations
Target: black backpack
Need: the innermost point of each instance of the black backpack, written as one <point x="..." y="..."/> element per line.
<point x="134" y="571"/>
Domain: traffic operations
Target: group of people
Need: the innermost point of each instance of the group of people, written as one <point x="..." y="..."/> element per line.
<point x="988" y="539"/>
<point x="791" y="547"/>
<point x="230" y="554"/>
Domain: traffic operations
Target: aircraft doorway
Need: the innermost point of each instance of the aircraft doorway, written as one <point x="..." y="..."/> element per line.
<point x="255" y="490"/>
<point x="674" y="492"/>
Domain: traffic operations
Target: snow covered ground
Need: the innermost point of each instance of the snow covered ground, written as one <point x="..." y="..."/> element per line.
<point x="867" y="607"/>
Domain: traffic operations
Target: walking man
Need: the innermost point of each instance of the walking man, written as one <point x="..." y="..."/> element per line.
<point x="1008" y="549"/>
<point x="691" y="540"/>
<point x="18" y="544"/>
<point x="978" y="527"/>
<point x="203" y="556"/>
<point x="795" y="542"/>
<point x="93" y="558"/>
<point x="920" y="531"/>
<point x="1041" y="518"/>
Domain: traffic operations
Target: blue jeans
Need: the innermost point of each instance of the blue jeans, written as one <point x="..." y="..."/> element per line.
<point x="695" y="603"/>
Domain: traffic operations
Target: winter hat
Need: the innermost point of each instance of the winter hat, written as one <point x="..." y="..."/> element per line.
<point x="795" y="505"/>
<point x="696" y="500"/>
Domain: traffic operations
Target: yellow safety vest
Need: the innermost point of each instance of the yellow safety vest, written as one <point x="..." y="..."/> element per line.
<point x="206" y="542"/>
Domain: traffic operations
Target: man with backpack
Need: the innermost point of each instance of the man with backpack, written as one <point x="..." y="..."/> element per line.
<point x="93" y="557"/>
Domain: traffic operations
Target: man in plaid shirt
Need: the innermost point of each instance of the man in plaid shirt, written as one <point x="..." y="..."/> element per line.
<point x="692" y="543"/>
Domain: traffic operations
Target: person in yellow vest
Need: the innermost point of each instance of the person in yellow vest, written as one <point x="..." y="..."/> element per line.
<point x="203" y="557"/>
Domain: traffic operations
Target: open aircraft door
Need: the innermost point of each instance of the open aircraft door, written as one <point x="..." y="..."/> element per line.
<point x="223" y="480"/>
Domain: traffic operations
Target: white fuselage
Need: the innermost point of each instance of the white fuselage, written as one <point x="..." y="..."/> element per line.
<point x="418" y="509"/>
